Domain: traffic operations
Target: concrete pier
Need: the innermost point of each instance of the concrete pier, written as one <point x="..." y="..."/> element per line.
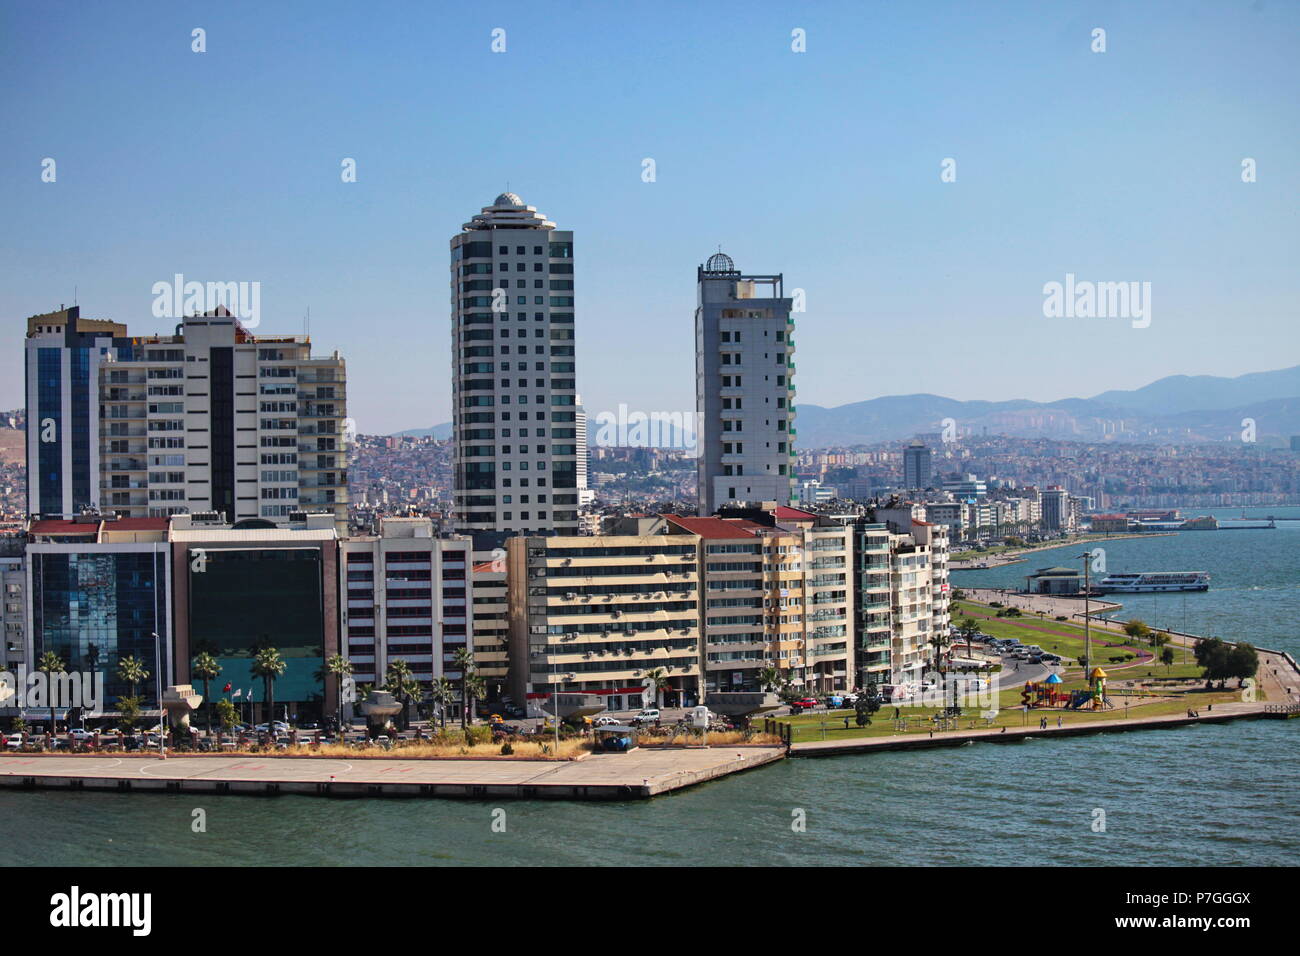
<point x="642" y="773"/>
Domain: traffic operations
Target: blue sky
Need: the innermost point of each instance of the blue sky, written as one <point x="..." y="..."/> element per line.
<point x="823" y="165"/>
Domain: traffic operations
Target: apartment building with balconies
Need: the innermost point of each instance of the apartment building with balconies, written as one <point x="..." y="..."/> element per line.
<point x="216" y="419"/>
<point x="597" y="615"/>
<point x="919" y="593"/>
<point x="777" y="592"/>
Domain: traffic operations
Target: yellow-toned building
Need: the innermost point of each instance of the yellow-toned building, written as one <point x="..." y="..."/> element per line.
<point x="599" y="614"/>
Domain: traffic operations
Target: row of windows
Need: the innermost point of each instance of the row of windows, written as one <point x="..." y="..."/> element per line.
<point x="485" y="268"/>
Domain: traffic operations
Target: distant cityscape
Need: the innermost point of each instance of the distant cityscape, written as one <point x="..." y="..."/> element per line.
<point x="205" y="492"/>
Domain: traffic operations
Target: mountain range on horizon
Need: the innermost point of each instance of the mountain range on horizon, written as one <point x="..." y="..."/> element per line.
<point x="1177" y="408"/>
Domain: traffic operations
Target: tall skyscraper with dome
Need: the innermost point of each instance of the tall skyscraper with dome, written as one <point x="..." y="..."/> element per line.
<point x="514" y="396"/>
<point x="744" y="387"/>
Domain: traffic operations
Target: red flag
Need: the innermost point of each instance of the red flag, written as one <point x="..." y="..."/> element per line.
<point x="226" y="689"/>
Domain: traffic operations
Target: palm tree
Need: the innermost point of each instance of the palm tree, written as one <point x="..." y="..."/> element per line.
<point x="769" y="678"/>
<point x="442" y="694"/>
<point x="268" y="665"/>
<point x="476" y="686"/>
<point x="131" y="669"/>
<point x="412" y="691"/>
<point x="657" y="678"/>
<point x="205" y="667"/>
<point x="51" y="663"/>
<point x="341" y="668"/>
<point x="464" y="662"/>
<point x="399" y="675"/>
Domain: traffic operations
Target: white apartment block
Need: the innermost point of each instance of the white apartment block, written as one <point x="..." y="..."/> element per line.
<point x="777" y="593"/>
<point x="406" y="595"/>
<point x="215" y="419"/>
<point x="514" y="403"/>
<point x="913" y="555"/>
<point x="744" y="387"/>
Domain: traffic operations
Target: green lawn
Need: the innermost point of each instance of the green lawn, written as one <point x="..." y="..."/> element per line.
<point x="1068" y="642"/>
<point x="808" y="727"/>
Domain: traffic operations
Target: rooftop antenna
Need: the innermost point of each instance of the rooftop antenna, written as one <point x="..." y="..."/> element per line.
<point x="306" y="323"/>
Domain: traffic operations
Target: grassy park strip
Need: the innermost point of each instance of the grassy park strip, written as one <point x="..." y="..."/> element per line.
<point x="1140" y="687"/>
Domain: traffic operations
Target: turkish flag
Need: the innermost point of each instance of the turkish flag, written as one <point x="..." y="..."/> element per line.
<point x="226" y="689"/>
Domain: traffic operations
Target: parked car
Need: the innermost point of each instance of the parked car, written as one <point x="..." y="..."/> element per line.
<point x="834" y="701"/>
<point x="80" y="733"/>
<point x="14" y="741"/>
<point x="605" y="720"/>
<point x="804" y="703"/>
<point x="280" y="727"/>
<point x="648" y="716"/>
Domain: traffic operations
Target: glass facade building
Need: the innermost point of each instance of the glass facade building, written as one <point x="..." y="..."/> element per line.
<point x="244" y="599"/>
<point x="95" y="608"/>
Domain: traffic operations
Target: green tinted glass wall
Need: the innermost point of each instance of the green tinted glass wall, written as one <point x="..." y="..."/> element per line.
<point x="242" y="599"/>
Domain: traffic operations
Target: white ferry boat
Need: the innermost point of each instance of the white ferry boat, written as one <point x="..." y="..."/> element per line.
<point x="1146" y="582"/>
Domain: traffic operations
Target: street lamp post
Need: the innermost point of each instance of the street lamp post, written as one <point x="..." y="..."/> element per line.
<point x="157" y="683"/>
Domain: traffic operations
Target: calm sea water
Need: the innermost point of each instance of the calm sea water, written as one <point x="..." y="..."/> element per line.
<point x="1220" y="795"/>
<point x="1254" y="579"/>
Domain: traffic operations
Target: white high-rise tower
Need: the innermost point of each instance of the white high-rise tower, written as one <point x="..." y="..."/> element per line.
<point x="744" y="387"/>
<point x="514" y="401"/>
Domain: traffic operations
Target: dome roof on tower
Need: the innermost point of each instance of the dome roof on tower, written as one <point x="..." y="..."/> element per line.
<point x="720" y="262"/>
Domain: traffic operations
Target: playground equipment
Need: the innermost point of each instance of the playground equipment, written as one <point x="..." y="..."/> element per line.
<point x="1098" y="678"/>
<point x="1048" y="693"/>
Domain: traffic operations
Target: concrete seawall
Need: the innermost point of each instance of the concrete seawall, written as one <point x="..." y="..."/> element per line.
<point x="643" y="773"/>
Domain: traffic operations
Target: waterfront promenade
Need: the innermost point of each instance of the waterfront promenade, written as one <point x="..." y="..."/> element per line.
<point x="983" y="561"/>
<point x="1278" y="673"/>
<point x="644" y="772"/>
<point x="1222" y="713"/>
<point x="1278" y="685"/>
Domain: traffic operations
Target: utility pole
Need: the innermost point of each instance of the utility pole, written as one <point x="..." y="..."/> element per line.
<point x="1087" y="633"/>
